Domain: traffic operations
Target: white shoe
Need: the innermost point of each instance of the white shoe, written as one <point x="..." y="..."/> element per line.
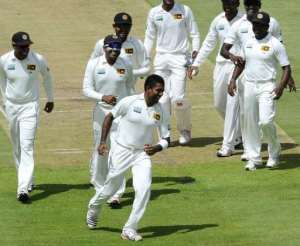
<point x="131" y="235"/>
<point x="250" y="166"/>
<point x="272" y="162"/>
<point x="244" y="157"/>
<point x="223" y="152"/>
<point x="92" y="217"/>
<point x="185" y="137"/>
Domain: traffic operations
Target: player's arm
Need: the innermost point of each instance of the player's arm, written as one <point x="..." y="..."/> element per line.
<point x="47" y="83"/>
<point x="2" y="85"/>
<point x="150" y="34"/>
<point x="232" y="84"/>
<point x="207" y="47"/>
<point x="103" y="148"/>
<point x="143" y="62"/>
<point x="193" y="31"/>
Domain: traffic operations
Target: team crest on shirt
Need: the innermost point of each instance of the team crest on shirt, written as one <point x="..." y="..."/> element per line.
<point x="244" y="30"/>
<point x="159" y="18"/>
<point x="101" y="71"/>
<point x="129" y="51"/>
<point x="31" y="67"/>
<point x="221" y="28"/>
<point x="121" y="71"/>
<point x="11" y="67"/>
<point x="178" y="16"/>
<point x="265" y="48"/>
<point x="137" y="110"/>
<point x="156" y="116"/>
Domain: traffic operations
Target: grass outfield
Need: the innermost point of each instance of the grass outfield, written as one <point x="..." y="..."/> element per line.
<point x="196" y="199"/>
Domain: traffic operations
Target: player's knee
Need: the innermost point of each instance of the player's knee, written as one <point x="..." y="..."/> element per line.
<point x="266" y="122"/>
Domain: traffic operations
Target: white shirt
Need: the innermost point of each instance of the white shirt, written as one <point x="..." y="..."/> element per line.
<point x="218" y="30"/>
<point x="138" y="122"/>
<point x="172" y="30"/>
<point x="241" y="31"/>
<point x="101" y="79"/>
<point x="19" y="79"/>
<point x="133" y="49"/>
<point x="262" y="57"/>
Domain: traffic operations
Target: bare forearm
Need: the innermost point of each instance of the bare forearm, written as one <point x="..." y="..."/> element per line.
<point x="106" y="127"/>
<point x="225" y="51"/>
<point x="286" y="74"/>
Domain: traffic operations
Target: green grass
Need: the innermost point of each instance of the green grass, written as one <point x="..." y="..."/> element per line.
<point x="205" y="201"/>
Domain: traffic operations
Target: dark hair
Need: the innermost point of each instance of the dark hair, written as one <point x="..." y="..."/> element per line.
<point x="252" y="2"/>
<point x="152" y="80"/>
<point x="230" y="1"/>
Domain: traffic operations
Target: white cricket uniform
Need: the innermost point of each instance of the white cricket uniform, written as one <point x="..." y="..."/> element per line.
<point x="103" y="79"/>
<point x="238" y="34"/>
<point x="226" y="105"/>
<point x="171" y="30"/>
<point x="136" y="129"/>
<point x="262" y="58"/>
<point x="132" y="49"/>
<point x="19" y="81"/>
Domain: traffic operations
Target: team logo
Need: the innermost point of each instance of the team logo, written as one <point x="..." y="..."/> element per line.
<point x="137" y="110"/>
<point x="156" y="116"/>
<point x="101" y="71"/>
<point x="11" y="67"/>
<point x="24" y="37"/>
<point x="31" y="67"/>
<point x="178" y="16"/>
<point x="125" y="17"/>
<point x="121" y="70"/>
<point x="265" y="47"/>
<point x="244" y="30"/>
<point x="260" y="16"/>
<point x="159" y="18"/>
<point x="129" y="51"/>
<point x="221" y="28"/>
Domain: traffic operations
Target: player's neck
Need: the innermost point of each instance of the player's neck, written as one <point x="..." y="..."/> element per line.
<point x="167" y="7"/>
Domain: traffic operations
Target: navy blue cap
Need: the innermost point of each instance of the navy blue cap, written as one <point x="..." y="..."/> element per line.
<point x="21" y="38"/>
<point x="261" y="18"/>
<point x="112" y="41"/>
<point x="123" y="18"/>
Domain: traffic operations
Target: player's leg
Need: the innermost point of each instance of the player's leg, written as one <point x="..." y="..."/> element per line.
<point x="28" y="126"/>
<point x="141" y="178"/>
<point x="119" y="161"/>
<point x="180" y="103"/>
<point x="266" y="120"/>
<point x="252" y="129"/>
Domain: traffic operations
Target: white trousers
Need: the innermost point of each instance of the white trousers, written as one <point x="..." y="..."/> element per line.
<point x="259" y="112"/>
<point x="120" y="160"/>
<point x="227" y="106"/>
<point x="99" y="163"/>
<point x="23" y="121"/>
<point x="172" y="67"/>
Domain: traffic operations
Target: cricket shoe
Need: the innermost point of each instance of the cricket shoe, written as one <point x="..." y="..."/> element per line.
<point x="244" y="157"/>
<point x="272" y="162"/>
<point x="92" y="217"/>
<point x="251" y="165"/>
<point x="185" y="137"/>
<point x="224" y="152"/>
<point x="31" y="188"/>
<point x="132" y="235"/>
<point x="114" y="202"/>
<point x="23" y="197"/>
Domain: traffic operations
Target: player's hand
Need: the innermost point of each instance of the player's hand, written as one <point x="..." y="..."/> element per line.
<point x="152" y="149"/>
<point x="291" y="84"/>
<point x="192" y="71"/>
<point x="194" y="54"/>
<point x="102" y="149"/>
<point x="237" y="60"/>
<point x="232" y="88"/>
<point x="49" y="107"/>
<point x="277" y="92"/>
<point x="109" y="99"/>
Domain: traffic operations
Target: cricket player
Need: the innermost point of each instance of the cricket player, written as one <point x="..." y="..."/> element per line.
<point x="171" y="25"/>
<point x="238" y="34"/>
<point x="132" y="48"/>
<point x="141" y="115"/>
<point x="19" y="80"/>
<point x="227" y="106"/>
<point x="261" y="53"/>
<point x="107" y="80"/>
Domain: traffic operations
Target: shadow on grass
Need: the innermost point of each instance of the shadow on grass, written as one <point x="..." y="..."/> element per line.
<point x="160" y="231"/>
<point x="51" y="189"/>
<point x="200" y="142"/>
<point x="288" y="161"/>
<point x="284" y="146"/>
<point x="154" y="195"/>
<point x="170" y="180"/>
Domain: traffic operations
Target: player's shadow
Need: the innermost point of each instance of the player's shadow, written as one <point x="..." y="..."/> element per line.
<point x="161" y="231"/>
<point x="169" y="180"/>
<point x="200" y="142"/>
<point x="287" y="161"/>
<point x="284" y="146"/>
<point x="52" y="189"/>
